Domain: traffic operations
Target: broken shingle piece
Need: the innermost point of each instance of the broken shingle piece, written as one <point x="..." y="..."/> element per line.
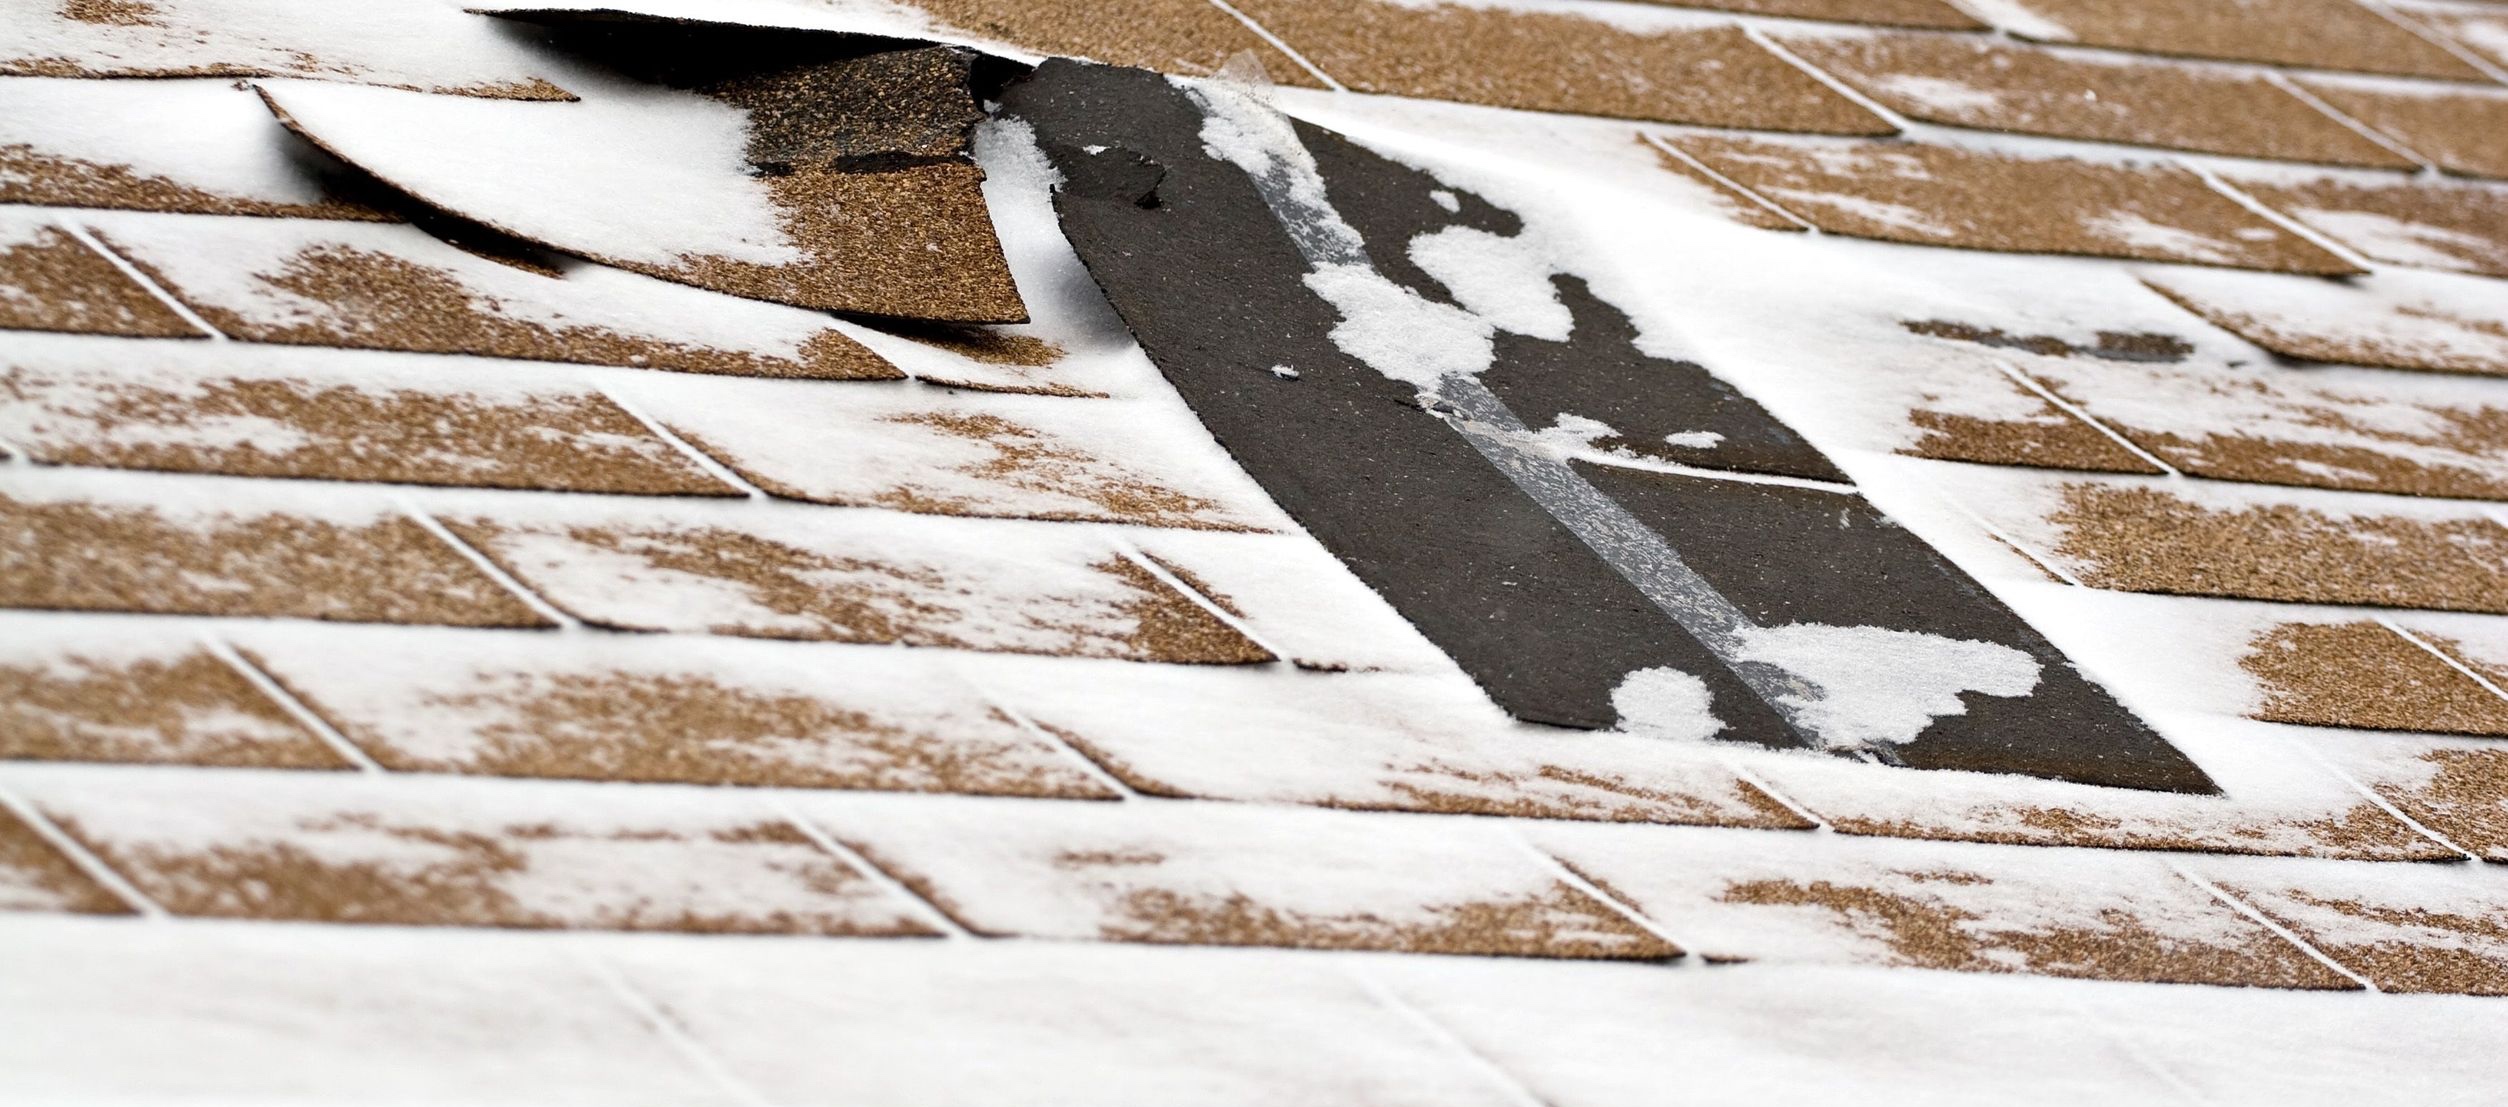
<point x="2463" y="130"/>
<point x="82" y="694"/>
<point x="2440" y="932"/>
<point x="1972" y="82"/>
<point x="666" y="182"/>
<point x="690" y="711"/>
<point x="385" y="287"/>
<point x="262" y="553"/>
<point x="1947" y="196"/>
<point x="36" y="876"/>
<point x="2460" y="226"/>
<point x="405" y="43"/>
<point x="456" y="853"/>
<point x="2398" y="319"/>
<point x="1963" y="908"/>
<point x="96" y="407"/>
<point x="1553" y="61"/>
<point x="50" y="281"/>
<point x="855" y="576"/>
<point x="2317" y="34"/>
<point x="2362" y="674"/>
<point x="201" y="146"/>
<point x="1233" y="875"/>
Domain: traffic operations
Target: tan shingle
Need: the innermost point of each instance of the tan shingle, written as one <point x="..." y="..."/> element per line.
<point x="2457" y="787"/>
<point x="2460" y="227"/>
<point x="2365" y="675"/>
<point x="2326" y="34"/>
<point x="172" y="145"/>
<point x="1174" y="36"/>
<point x="2463" y="130"/>
<point x="35" y="876"/>
<point x="2446" y="932"/>
<point x="407" y="43"/>
<point x="142" y="698"/>
<point x="1888" y="13"/>
<point x="49" y="281"/>
<point x="2397" y="319"/>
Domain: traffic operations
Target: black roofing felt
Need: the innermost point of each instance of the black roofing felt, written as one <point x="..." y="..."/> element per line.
<point x="1545" y="611"/>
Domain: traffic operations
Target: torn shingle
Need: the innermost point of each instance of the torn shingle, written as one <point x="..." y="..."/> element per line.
<point x="1945" y="196"/>
<point x="68" y="696"/>
<point x="2463" y="130"/>
<point x="2366" y="675"/>
<point x="50" y="281"/>
<point x="64" y="549"/>
<point x="1992" y="85"/>
<point x="451" y="853"/>
<point x="2320" y="34"/>
<point x="2461" y="226"/>
<point x="403" y="43"/>
<point x="680" y="711"/>
<point x="381" y="287"/>
<point x="335" y="427"/>
<point x="201" y="146"/>
<point x="858" y="576"/>
<point x="1553" y="61"/>
<point x="2399" y="319"/>
<point x="1235" y="876"/>
<point x="36" y="876"/>
<point x="668" y="183"/>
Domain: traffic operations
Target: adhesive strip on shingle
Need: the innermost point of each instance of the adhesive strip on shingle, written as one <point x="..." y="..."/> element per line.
<point x="2319" y="34"/>
<point x="50" y="281"/>
<point x="403" y="43"/>
<point x="2458" y="226"/>
<point x="701" y="186"/>
<point x="385" y="287"/>
<point x="103" y="405"/>
<point x="2398" y="319"/>
<point x="1990" y="84"/>
<point x="692" y="711"/>
<point x="204" y="146"/>
<point x="442" y="852"/>
<point x="72" y="691"/>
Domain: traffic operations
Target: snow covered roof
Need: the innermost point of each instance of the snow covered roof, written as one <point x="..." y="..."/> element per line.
<point x="950" y="552"/>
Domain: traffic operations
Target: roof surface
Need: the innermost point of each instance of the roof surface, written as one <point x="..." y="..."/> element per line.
<point x="1570" y="552"/>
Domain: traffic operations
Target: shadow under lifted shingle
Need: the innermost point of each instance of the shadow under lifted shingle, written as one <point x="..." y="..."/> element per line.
<point x="1582" y="594"/>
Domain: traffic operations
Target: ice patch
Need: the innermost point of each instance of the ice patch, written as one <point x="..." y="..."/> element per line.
<point x="1882" y="687"/>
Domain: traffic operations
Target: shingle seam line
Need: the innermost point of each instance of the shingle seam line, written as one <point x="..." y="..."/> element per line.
<point x="485" y="564"/>
<point x="2433" y="650"/>
<point x="1567" y="874"/>
<point x="132" y="272"/>
<point x="2053" y="567"/>
<point x="2040" y="390"/>
<point x="1686" y="158"/>
<point x="302" y="712"/>
<point x="1444" y="1036"/>
<point x="2382" y="803"/>
<point x="702" y="460"/>
<point x="1819" y="824"/>
<point x="669" y="1030"/>
<point x="1835" y="84"/>
<point x="1280" y="44"/>
<point x="1151" y="565"/>
<point x="84" y="859"/>
<point x="870" y="870"/>
<point x="2345" y="254"/>
<point x="2261" y="919"/>
<point x="2443" y="41"/>
<point x="1063" y="747"/>
<point x="2301" y="93"/>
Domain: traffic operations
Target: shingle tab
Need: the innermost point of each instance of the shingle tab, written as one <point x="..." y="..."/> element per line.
<point x="2398" y="319"/>
<point x="50" y="281"/>
<point x="171" y="145"/>
<point x="2456" y="227"/>
<point x="406" y="43"/>
<point x="2324" y="34"/>
<point x="2464" y="130"/>
<point x="91" y="694"/>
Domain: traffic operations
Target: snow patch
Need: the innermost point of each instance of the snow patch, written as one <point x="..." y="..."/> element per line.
<point x="1665" y="703"/>
<point x="1882" y="687"/>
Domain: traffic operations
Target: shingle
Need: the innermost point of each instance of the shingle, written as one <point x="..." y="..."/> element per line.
<point x="2483" y="31"/>
<point x="693" y="711"/>
<point x="2445" y="932"/>
<point x="854" y="576"/>
<point x="406" y="43"/>
<point x="1552" y="61"/>
<point x="1974" y="82"/>
<point x="1223" y="874"/>
<point x="2324" y="34"/>
<point x="1935" y="14"/>
<point x="36" y="876"/>
<point x="384" y="287"/>
<point x="2463" y="130"/>
<point x="1948" y="196"/>
<point x="49" y="281"/>
<point x="2362" y="674"/>
<point x="1174" y="36"/>
<point x="250" y="554"/>
<point x="1371" y="742"/>
<point x="2101" y="916"/>
<point x="451" y="853"/>
<point x="2457" y="787"/>
<point x="100" y="407"/>
<point x="2398" y="319"/>
<point x="98" y="695"/>
<point x="2461" y="227"/>
<point x="1725" y="200"/>
<point x="660" y="181"/>
<point x="174" y="145"/>
<point x="1297" y="597"/>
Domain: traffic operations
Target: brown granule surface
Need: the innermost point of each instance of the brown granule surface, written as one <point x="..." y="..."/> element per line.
<point x="2464" y="224"/>
<point x="391" y="303"/>
<point x="2476" y="436"/>
<point x="1174" y="628"/>
<point x="694" y="729"/>
<point x="1979" y="82"/>
<point x="2470" y="959"/>
<point x="186" y="709"/>
<point x="85" y="556"/>
<point x="1932" y="14"/>
<point x="2048" y="439"/>
<point x="1628" y="802"/>
<point x="2364" y="675"/>
<point x="1941" y="196"/>
<point x="111" y="13"/>
<point x="2318" y="34"/>
<point x="983" y="344"/>
<point x="1729" y="202"/>
<point x="1023" y="459"/>
<point x="2461" y="130"/>
<point x="2144" y="346"/>
<point x="2146" y="540"/>
<point x="2483" y="32"/>
<point x="1560" y="922"/>
<point x="2309" y="339"/>
<point x="1544" y="61"/>
<point x="51" y="282"/>
<point x="36" y="876"/>
<point x="2364" y="833"/>
<point x="1927" y="932"/>
<point x="32" y="176"/>
<point x="485" y="880"/>
<point x="569" y="442"/>
<point x="1173" y="36"/>
<point x="2466" y="798"/>
<point x="824" y="115"/>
